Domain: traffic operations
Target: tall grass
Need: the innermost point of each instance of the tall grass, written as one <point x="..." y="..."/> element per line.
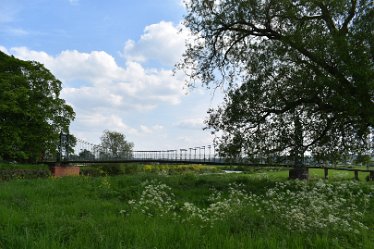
<point x="106" y="212"/>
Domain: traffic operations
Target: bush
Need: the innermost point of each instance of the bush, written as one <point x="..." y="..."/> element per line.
<point x="95" y="172"/>
<point x="132" y="168"/>
<point x="112" y="169"/>
<point x="9" y="174"/>
<point x="179" y="169"/>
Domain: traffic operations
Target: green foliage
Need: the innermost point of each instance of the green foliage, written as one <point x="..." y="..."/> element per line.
<point x="112" y="169"/>
<point x="23" y="166"/>
<point x="86" y="155"/>
<point x="10" y="174"/>
<point x="363" y="159"/>
<point x="114" y="144"/>
<point x="12" y="171"/>
<point x="31" y="112"/>
<point x="91" y="171"/>
<point x="179" y="169"/>
<point x="132" y="168"/>
<point x="299" y="74"/>
<point x="85" y="212"/>
<point x="297" y="206"/>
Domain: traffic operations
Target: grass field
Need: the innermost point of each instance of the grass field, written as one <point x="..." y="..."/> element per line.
<point x="151" y="210"/>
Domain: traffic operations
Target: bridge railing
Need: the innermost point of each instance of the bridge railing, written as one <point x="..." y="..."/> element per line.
<point x="167" y="155"/>
<point x="191" y="155"/>
<point x="84" y="152"/>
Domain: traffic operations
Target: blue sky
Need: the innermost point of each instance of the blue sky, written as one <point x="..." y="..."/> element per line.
<point x="115" y="60"/>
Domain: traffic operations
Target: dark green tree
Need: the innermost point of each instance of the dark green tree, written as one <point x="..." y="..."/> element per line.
<point x="72" y="142"/>
<point x="115" y="145"/>
<point x="299" y="74"/>
<point x="86" y="155"/>
<point x="32" y="114"/>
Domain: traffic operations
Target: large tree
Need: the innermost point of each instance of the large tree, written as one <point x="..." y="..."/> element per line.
<point x="32" y="114"/>
<point x="115" y="144"/>
<point x="299" y="74"/>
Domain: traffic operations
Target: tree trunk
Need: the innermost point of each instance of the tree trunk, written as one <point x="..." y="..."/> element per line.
<point x="299" y="170"/>
<point x="299" y="173"/>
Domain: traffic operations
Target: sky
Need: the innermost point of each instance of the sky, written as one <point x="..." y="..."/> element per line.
<point x="115" y="60"/>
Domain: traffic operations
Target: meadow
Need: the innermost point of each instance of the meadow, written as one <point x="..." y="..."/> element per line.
<point x="160" y="207"/>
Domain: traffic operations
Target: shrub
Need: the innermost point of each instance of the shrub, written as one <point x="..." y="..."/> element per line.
<point x="132" y="168"/>
<point x="95" y="172"/>
<point x="112" y="169"/>
<point x="9" y="174"/>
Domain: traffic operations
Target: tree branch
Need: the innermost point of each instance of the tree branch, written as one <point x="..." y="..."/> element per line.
<point x="323" y="133"/>
<point x="329" y="68"/>
<point x="233" y="44"/>
<point x="327" y="18"/>
<point x="352" y="11"/>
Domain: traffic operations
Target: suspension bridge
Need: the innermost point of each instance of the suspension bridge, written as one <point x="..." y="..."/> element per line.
<point x="90" y="153"/>
<point x="86" y="152"/>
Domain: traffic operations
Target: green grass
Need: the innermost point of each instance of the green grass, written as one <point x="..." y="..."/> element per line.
<point x="85" y="212"/>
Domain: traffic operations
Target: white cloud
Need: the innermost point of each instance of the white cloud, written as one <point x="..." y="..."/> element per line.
<point x="95" y="79"/>
<point x="90" y="125"/>
<point x="191" y="123"/>
<point x="111" y="121"/>
<point x="107" y="95"/>
<point x="146" y="130"/>
<point x="4" y="49"/>
<point x="162" y="42"/>
<point x="101" y="91"/>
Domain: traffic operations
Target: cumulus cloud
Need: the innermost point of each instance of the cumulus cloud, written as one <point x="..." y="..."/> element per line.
<point x="163" y="42"/>
<point x="112" y="122"/>
<point x="108" y="95"/>
<point x="144" y="129"/>
<point x="95" y="79"/>
<point x="4" y="49"/>
<point x="89" y="125"/>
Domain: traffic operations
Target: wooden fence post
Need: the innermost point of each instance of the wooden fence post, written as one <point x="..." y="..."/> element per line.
<point x="371" y="176"/>
<point x="356" y="175"/>
<point x="326" y="170"/>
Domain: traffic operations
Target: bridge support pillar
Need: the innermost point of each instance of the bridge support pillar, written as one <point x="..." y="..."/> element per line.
<point x="64" y="170"/>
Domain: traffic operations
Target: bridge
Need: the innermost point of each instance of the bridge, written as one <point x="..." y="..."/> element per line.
<point x="86" y="152"/>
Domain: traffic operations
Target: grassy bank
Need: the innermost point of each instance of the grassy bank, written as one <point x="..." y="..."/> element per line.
<point x="147" y="210"/>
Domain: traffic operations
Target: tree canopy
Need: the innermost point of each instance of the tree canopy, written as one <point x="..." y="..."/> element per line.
<point x="115" y="144"/>
<point x="299" y="74"/>
<point x="32" y="114"/>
